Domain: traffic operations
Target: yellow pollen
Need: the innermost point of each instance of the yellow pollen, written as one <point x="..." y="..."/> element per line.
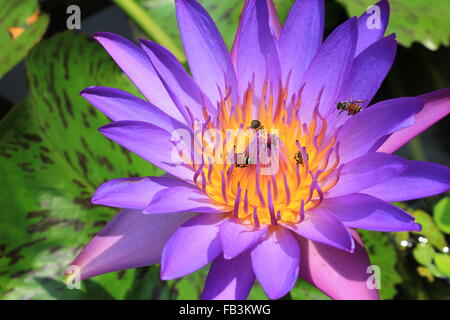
<point x="234" y="179"/>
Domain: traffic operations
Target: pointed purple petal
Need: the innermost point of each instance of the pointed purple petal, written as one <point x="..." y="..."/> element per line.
<point x="366" y="171"/>
<point x="183" y="197"/>
<point x="130" y="240"/>
<point x="372" y="25"/>
<point x="274" y="24"/>
<point x="120" y="105"/>
<point x="300" y="39"/>
<point x="369" y="70"/>
<point x="257" y="52"/>
<point x="324" y="228"/>
<point x="135" y="63"/>
<point x="180" y="86"/>
<point x="130" y="193"/>
<point x="339" y="274"/>
<point x="362" y="132"/>
<point x="206" y="51"/>
<point x="365" y="212"/>
<point x="237" y="238"/>
<point x="419" y="180"/>
<point x="229" y="279"/>
<point x="151" y="143"/>
<point x="437" y="106"/>
<point x="329" y="70"/>
<point x="276" y="261"/>
<point x="195" y="244"/>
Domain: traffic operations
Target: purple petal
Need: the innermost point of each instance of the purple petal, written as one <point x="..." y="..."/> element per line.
<point x="300" y="39"/>
<point x="180" y="86"/>
<point x="130" y="193"/>
<point x="120" y="105"/>
<point x="362" y="132"/>
<point x="329" y="70"/>
<point x="229" y="279"/>
<point x="437" y="106"/>
<point x="372" y="27"/>
<point x="366" y="212"/>
<point x="419" y="180"/>
<point x="183" y="197"/>
<point x="324" y="228"/>
<point x="274" y="23"/>
<point x="276" y="261"/>
<point x="151" y="143"/>
<point x="195" y="244"/>
<point x="135" y="63"/>
<point x="339" y="274"/>
<point x="257" y="52"/>
<point x="369" y="70"/>
<point x="207" y="54"/>
<point x="366" y="171"/>
<point x="130" y="240"/>
<point x="237" y="237"/>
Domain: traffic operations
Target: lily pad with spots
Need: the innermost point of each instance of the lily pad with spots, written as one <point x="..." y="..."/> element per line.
<point x="51" y="160"/>
<point x="22" y="25"/>
<point x="421" y="21"/>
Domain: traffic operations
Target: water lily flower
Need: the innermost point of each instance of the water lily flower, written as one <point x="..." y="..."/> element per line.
<point x="292" y="95"/>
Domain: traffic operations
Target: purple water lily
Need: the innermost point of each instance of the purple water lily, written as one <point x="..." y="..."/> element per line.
<point x="302" y="99"/>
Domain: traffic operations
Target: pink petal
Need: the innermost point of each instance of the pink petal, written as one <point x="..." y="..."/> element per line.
<point x="437" y="106"/>
<point x="339" y="274"/>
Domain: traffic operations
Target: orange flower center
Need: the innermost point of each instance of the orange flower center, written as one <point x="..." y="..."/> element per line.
<point x="262" y="164"/>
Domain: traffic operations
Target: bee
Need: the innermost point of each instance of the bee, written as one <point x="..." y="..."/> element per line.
<point x="257" y="125"/>
<point x="246" y="162"/>
<point x="298" y="157"/>
<point x="352" y="107"/>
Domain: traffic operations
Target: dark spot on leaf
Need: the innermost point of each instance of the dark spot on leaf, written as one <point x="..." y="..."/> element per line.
<point x="45" y="149"/>
<point x="99" y="223"/>
<point x="21" y="273"/>
<point x="85" y="203"/>
<point x="26" y="166"/>
<point x="79" y="184"/>
<point x="14" y="255"/>
<point x="68" y="104"/>
<point x="120" y="274"/>
<point x="37" y="213"/>
<point x="45" y="159"/>
<point x="32" y="137"/>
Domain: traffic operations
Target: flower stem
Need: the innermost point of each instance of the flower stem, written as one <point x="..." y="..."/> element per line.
<point x="149" y="26"/>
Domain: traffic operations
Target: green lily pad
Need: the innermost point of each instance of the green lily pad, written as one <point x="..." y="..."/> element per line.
<point x="429" y="229"/>
<point x="305" y="291"/>
<point x="382" y="253"/>
<point x="424" y="254"/>
<point x="21" y="27"/>
<point x="412" y="20"/>
<point x="51" y="160"/>
<point x="441" y="215"/>
<point x="442" y="262"/>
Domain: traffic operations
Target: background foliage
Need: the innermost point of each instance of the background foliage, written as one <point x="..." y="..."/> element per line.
<point x="52" y="157"/>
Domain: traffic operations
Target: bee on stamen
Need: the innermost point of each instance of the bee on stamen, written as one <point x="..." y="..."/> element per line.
<point x="245" y="163"/>
<point x="352" y="107"/>
<point x="256" y="125"/>
<point x="298" y="157"/>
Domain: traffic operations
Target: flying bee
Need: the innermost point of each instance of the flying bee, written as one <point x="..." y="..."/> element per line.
<point x="352" y="107"/>
<point x="257" y="125"/>
<point x="298" y="157"/>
